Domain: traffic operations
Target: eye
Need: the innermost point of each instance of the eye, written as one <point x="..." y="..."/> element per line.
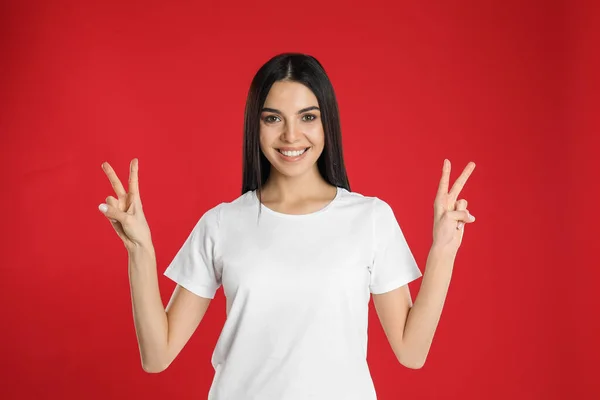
<point x="312" y="117"/>
<point x="268" y="119"/>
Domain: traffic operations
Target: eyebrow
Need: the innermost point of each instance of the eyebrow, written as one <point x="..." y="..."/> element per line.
<point x="274" y="110"/>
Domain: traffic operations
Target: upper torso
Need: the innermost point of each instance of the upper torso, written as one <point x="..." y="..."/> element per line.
<point x="297" y="291"/>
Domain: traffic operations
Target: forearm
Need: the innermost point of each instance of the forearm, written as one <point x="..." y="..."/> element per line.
<point x="149" y="315"/>
<point x="424" y="316"/>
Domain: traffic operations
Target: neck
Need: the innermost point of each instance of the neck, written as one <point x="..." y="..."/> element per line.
<point x="286" y="188"/>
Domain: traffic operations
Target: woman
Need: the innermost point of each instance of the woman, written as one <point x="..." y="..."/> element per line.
<point x="298" y="255"/>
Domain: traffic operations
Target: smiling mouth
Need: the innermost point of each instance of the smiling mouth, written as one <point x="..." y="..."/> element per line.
<point x="293" y="153"/>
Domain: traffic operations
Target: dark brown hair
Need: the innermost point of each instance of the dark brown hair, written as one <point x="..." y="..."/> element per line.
<point x="306" y="70"/>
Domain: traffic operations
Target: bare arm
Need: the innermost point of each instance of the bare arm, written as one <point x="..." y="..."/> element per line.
<point x="161" y="333"/>
<point x="410" y="328"/>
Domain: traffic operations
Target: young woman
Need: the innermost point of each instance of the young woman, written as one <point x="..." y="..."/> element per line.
<point x="298" y="255"/>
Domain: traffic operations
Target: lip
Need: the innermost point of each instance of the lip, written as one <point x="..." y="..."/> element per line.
<point x="293" y="159"/>
<point x="292" y="148"/>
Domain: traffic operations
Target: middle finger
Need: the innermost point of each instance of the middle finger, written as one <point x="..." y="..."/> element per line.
<point x="462" y="179"/>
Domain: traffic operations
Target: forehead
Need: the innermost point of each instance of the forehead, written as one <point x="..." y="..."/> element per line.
<point x="290" y="96"/>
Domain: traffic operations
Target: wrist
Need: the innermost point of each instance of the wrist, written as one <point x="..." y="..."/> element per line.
<point x="443" y="251"/>
<point x="140" y="249"/>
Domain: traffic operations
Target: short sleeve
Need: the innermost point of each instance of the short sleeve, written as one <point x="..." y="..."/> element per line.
<point x="393" y="264"/>
<point x="193" y="267"/>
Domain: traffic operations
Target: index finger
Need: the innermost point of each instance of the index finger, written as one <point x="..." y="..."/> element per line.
<point x="133" y="177"/>
<point x="462" y="179"/>
<point x="445" y="180"/>
<point x="114" y="180"/>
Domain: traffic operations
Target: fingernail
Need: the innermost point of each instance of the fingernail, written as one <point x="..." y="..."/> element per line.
<point x="103" y="207"/>
<point x="471" y="217"/>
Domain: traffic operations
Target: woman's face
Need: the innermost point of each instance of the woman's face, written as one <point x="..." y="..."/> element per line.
<point x="291" y="130"/>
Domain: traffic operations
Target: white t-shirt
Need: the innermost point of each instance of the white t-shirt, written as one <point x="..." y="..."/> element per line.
<point x="297" y="289"/>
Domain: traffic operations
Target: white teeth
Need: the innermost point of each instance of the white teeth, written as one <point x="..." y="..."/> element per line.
<point x="292" y="153"/>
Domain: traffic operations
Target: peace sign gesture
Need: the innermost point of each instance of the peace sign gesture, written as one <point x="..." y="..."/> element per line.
<point x="125" y="212"/>
<point x="450" y="214"/>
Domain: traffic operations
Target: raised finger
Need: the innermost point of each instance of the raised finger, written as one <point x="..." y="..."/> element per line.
<point x="133" y="177"/>
<point x="462" y="179"/>
<point x="114" y="180"/>
<point x="445" y="179"/>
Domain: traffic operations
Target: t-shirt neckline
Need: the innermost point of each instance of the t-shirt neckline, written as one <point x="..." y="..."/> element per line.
<point x="284" y="215"/>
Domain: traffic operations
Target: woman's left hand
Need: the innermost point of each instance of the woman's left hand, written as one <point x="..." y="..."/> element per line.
<point x="451" y="214"/>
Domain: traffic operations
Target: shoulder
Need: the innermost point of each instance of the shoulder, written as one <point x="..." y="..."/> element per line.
<point x="231" y="209"/>
<point x="372" y="204"/>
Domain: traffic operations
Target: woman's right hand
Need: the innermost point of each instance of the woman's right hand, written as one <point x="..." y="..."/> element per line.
<point x="125" y="212"/>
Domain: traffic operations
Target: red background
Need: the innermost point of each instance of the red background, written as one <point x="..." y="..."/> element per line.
<point x="509" y="85"/>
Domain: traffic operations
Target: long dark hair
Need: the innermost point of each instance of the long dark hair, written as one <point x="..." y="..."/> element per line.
<point x="304" y="69"/>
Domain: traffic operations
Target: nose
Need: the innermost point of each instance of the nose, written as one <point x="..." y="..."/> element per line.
<point x="291" y="132"/>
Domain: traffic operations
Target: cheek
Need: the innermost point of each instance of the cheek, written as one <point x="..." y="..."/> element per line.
<point x="269" y="132"/>
<point x="317" y="137"/>
<point x="265" y="137"/>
